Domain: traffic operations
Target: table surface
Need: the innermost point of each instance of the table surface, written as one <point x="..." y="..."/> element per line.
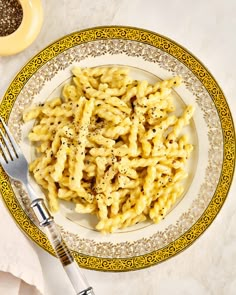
<point x="207" y="29"/>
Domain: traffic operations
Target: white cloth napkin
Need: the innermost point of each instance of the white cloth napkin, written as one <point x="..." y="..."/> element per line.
<point x="20" y="269"/>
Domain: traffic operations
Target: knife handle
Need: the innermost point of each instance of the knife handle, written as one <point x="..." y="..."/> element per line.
<point x="73" y="271"/>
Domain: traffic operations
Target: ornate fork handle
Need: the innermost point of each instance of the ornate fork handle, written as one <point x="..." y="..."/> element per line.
<point x="76" y="277"/>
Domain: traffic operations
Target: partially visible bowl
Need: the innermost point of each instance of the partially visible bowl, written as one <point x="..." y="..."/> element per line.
<point x="27" y="31"/>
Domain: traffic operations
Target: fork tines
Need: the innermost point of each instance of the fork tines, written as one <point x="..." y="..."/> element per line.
<point x="8" y="146"/>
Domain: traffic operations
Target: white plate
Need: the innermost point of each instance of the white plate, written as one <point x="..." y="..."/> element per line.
<point x="151" y="57"/>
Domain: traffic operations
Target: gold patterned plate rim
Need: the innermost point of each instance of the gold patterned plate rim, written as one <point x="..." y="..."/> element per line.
<point x="175" y="50"/>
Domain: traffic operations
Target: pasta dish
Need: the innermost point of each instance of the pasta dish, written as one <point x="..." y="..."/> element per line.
<point x="113" y="146"/>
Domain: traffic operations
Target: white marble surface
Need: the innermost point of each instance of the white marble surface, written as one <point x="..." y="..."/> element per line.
<point x="207" y="29"/>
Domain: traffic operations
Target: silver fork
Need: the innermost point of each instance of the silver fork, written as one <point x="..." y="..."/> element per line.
<point x="15" y="165"/>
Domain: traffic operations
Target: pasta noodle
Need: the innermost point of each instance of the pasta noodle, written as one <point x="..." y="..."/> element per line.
<point x="112" y="146"/>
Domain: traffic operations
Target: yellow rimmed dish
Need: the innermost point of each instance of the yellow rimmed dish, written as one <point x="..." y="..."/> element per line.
<point x="149" y="56"/>
<point x="27" y="31"/>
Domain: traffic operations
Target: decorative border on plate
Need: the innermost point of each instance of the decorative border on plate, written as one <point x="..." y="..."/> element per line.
<point x="166" y="45"/>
